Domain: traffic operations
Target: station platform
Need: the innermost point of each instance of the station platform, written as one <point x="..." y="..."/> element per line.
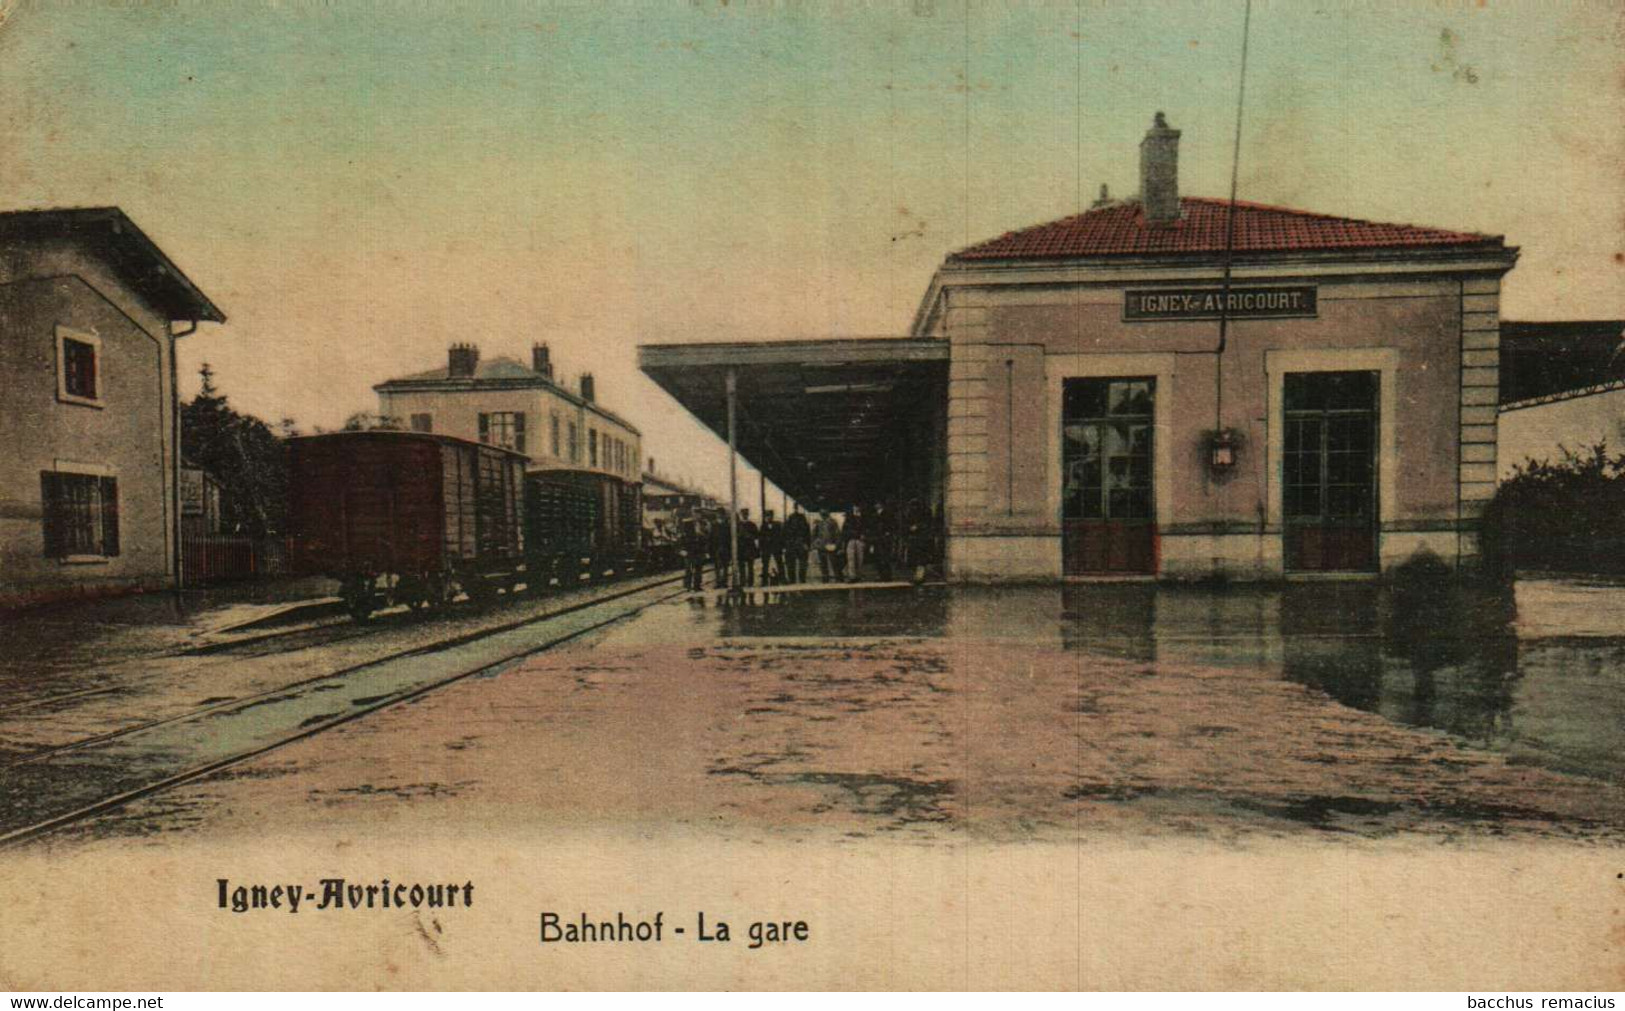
<point x="722" y="593"/>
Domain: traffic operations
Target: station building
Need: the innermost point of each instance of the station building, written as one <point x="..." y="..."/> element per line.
<point x="1163" y="386"/>
<point x="90" y="310"/>
<point x="505" y="402"/>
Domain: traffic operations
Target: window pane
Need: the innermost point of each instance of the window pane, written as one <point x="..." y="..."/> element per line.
<point x="1330" y="391"/>
<point x="1350" y="433"/>
<point x="81" y="514"/>
<point x="1084" y="398"/>
<point x="1302" y="500"/>
<point x="1082" y="441"/>
<point x="1348" y="501"/>
<point x="1131" y="397"/>
<point x="1140" y="441"/>
<point x="79" y="368"/>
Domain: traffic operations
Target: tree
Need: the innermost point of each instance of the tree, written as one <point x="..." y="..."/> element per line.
<point x="240" y="451"/>
<point x="366" y="421"/>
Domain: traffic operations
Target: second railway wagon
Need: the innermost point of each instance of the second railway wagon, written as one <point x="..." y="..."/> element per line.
<point x="581" y="524"/>
<point x="406" y="517"/>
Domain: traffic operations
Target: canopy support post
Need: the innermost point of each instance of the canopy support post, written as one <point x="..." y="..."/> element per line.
<point x="732" y="384"/>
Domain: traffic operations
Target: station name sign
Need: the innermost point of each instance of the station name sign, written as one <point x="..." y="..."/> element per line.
<point x="1205" y="303"/>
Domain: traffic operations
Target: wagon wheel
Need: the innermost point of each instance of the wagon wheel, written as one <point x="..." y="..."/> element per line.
<point x="416" y="591"/>
<point x="440" y="591"/>
<point x="358" y="598"/>
<point x="479" y="590"/>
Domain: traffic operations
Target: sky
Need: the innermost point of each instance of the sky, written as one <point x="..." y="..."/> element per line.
<point x="360" y="184"/>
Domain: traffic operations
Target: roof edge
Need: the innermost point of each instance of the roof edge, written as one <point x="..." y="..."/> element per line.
<point x="204" y="309"/>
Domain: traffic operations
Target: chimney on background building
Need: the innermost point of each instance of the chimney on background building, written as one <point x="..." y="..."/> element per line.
<point x="1159" y="173"/>
<point x="586" y="387"/>
<point x="541" y="360"/>
<point x="462" y="361"/>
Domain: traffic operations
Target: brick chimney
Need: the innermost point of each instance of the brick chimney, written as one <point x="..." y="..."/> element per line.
<point x="540" y="360"/>
<point x="1159" y="173"/>
<point x="586" y="387"/>
<point x="462" y="361"/>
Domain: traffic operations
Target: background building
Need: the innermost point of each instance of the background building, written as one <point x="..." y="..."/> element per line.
<point x="89" y="476"/>
<point x="506" y="403"/>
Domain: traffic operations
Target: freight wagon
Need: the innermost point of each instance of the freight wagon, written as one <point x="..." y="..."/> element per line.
<point x="406" y="517"/>
<point x="580" y="525"/>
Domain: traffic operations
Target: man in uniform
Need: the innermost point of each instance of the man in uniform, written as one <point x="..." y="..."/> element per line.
<point x="853" y="537"/>
<point x="692" y="545"/>
<point x="722" y="550"/>
<point x="797" y="539"/>
<point x="827" y="542"/>
<point x="882" y="530"/>
<point x="772" y="550"/>
<point x="750" y="548"/>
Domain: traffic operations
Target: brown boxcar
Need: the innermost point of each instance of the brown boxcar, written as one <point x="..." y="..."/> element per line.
<point x="406" y="517"/>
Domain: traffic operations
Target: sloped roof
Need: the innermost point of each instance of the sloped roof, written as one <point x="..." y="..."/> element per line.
<point x="497" y="373"/>
<point x="1121" y="230"/>
<point x="110" y="233"/>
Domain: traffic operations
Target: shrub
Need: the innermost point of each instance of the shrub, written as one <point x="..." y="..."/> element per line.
<point x="1567" y="516"/>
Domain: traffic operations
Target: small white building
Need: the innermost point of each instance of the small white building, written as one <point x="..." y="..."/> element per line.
<point x="506" y="403"/>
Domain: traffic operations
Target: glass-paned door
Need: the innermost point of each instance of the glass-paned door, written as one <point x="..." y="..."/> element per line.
<point x="1108" y="519"/>
<point x="1329" y="471"/>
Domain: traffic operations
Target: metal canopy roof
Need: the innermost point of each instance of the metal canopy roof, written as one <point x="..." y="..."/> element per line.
<point x="819" y="418"/>
<point x="1545" y="362"/>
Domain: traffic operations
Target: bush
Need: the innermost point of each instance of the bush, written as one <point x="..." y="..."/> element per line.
<point x="1567" y="516"/>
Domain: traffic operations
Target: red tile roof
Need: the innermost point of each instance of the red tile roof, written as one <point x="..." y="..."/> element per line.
<point x="1120" y="230"/>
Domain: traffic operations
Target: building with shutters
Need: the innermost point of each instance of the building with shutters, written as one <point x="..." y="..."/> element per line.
<point x="504" y="402"/>
<point x="90" y="310"/>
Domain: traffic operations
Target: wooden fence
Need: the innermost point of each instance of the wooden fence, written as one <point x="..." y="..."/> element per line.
<point x="223" y="558"/>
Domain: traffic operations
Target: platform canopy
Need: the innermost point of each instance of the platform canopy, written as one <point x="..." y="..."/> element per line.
<point x="1544" y="362"/>
<point x="831" y="422"/>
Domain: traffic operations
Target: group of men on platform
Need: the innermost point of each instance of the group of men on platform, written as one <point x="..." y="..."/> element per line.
<point x="777" y="552"/>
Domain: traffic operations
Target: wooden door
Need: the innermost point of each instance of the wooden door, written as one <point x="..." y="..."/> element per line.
<point x="1108" y="518"/>
<point x="1329" y="471"/>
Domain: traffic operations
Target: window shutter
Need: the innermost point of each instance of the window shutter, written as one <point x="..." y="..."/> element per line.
<point x="519" y="431"/>
<point x="485" y="427"/>
<point x="109" y="489"/>
<point x="51" y="496"/>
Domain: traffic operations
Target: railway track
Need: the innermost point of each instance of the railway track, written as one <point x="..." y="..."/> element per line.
<point x="90" y="776"/>
<point x="307" y="635"/>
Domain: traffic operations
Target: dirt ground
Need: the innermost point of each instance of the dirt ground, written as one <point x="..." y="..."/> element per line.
<point x="891" y="736"/>
<point x="986" y="808"/>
